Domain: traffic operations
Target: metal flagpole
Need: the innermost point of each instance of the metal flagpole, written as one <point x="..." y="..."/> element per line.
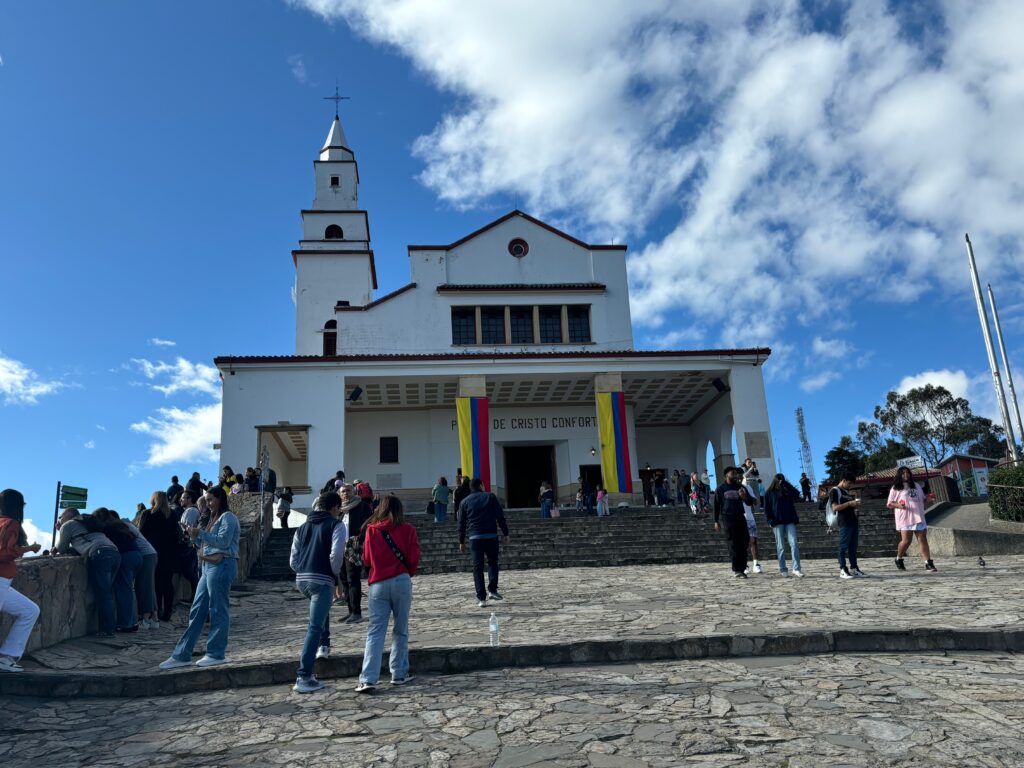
<point x="983" y="317"/>
<point x="1006" y="360"/>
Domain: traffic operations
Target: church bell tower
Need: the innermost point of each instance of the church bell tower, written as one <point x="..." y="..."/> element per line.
<point x="334" y="265"/>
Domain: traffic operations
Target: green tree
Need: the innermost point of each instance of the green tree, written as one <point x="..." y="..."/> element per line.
<point x="989" y="440"/>
<point x="930" y="421"/>
<point x="846" y="458"/>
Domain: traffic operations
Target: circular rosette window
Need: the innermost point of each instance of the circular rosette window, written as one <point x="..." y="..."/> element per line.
<point x="518" y="247"/>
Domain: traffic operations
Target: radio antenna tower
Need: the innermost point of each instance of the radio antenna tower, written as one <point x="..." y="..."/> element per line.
<point x="805" y="448"/>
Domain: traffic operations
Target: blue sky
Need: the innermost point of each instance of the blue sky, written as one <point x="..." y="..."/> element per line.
<point x="792" y="174"/>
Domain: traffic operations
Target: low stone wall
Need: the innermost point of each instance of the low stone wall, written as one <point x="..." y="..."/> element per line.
<point x="956" y="542"/>
<point x="60" y="585"/>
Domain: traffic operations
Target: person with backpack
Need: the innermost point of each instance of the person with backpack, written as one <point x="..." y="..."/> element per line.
<point x="730" y="499"/>
<point x="391" y="552"/>
<point x="13" y="545"/>
<point x="844" y="506"/>
<point x="481" y="516"/>
<point x="102" y="558"/>
<point x="780" y="511"/>
<point x="906" y="499"/>
<point x="334" y="484"/>
<point x="318" y="549"/>
<point x="356" y="512"/>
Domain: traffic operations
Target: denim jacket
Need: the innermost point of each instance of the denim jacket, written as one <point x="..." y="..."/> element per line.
<point x="223" y="539"/>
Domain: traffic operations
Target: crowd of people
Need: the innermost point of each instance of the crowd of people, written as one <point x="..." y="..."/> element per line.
<point x="350" y="534"/>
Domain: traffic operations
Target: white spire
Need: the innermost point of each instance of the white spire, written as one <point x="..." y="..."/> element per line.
<point x="336" y="145"/>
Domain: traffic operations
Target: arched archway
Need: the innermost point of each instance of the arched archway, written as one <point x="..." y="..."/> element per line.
<point x="333" y="232"/>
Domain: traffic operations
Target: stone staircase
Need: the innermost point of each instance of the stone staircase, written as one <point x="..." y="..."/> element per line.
<point x="633" y="536"/>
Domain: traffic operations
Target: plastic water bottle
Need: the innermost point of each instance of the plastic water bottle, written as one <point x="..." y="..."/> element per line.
<point x="493" y="627"/>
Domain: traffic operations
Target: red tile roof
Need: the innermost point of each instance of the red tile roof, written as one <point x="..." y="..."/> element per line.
<point x="760" y="352"/>
<point x="505" y="218"/>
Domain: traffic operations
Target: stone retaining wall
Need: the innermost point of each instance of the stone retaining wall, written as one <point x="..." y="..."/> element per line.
<point x="60" y="585"/>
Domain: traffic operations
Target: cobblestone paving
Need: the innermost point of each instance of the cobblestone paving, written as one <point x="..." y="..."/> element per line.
<point x="849" y="710"/>
<point x="269" y="618"/>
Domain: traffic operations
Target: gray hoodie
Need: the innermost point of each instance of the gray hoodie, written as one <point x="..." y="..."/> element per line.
<point x="75" y="537"/>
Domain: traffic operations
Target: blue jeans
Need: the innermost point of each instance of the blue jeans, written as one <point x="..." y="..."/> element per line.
<point x="545" y="509"/>
<point x="124" y="588"/>
<point x="788" y="531"/>
<point x="319" y="630"/>
<point x="103" y="565"/>
<point x="391" y="596"/>
<point x="848" y="545"/>
<point x="211" y="600"/>
<point x="440" y="512"/>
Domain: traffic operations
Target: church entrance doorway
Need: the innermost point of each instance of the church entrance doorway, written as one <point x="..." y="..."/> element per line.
<point x="526" y="467"/>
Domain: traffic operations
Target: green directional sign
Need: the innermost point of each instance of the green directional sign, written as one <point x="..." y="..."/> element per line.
<point x="73" y="497"/>
<point x="70" y="490"/>
<point x="72" y="504"/>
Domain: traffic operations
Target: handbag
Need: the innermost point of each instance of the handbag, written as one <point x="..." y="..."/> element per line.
<point x="430" y="507"/>
<point x="354" y="551"/>
<point x="555" y="512"/>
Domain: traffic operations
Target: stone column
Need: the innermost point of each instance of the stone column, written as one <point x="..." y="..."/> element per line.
<point x="750" y="417"/>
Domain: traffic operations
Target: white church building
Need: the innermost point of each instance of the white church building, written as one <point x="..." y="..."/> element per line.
<point x="529" y="322"/>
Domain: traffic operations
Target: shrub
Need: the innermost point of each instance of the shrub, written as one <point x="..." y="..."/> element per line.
<point x="1007" y="503"/>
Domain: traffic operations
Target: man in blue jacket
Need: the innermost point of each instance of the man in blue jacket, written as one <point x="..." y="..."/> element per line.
<point x="318" y="551"/>
<point x="481" y="515"/>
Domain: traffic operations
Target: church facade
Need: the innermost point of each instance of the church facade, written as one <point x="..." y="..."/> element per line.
<point x="508" y="354"/>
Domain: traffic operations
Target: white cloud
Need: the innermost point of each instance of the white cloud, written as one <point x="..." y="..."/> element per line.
<point x="818" y="381"/>
<point x="830" y="348"/>
<point x="89" y="444"/>
<point x="298" y="67"/>
<point x="21" y="385"/>
<point x="181" y="434"/>
<point x="162" y="342"/>
<point x="181" y="376"/>
<point x="811" y="167"/>
<point x="957" y="382"/>
<point x="101" y="428"/>
<point x="36" y="535"/>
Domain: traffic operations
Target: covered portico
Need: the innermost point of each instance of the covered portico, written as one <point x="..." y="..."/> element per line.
<point x="392" y="419"/>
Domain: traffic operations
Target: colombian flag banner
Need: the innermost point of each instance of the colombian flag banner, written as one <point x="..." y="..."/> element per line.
<point x="611" y="421"/>
<point x="474" y="438"/>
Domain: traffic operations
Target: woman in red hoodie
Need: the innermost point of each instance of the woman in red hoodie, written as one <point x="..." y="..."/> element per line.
<point x="13" y="545"/>
<point x="391" y="552"/>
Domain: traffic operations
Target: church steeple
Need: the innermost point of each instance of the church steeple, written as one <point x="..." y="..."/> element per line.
<point x="336" y="145"/>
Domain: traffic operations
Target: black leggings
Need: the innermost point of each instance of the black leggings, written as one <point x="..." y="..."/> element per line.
<point x="164" y="589"/>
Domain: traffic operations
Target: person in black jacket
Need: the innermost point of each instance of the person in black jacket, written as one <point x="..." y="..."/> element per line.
<point x="780" y="510"/>
<point x="355" y="511"/>
<point x="480" y="514"/>
<point x="729" y="500"/>
<point x="462" y="490"/>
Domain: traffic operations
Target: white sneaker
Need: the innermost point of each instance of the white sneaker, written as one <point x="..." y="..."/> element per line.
<point x="758" y="568"/>
<point x="209" y="661"/>
<point x="10" y="664"/>
<point x="173" y="663"/>
<point x="845" y="574"/>
<point x="798" y="574"/>
<point x="482" y="604"/>
<point x="784" y="574"/>
<point x="323" y="652"/>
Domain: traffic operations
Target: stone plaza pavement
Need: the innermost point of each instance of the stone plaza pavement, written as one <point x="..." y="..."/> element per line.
<point x="928" y="709"/>
<point x="547" y="611"/>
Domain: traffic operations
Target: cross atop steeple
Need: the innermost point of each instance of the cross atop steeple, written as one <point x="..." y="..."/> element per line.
<point x="336" y="98"/>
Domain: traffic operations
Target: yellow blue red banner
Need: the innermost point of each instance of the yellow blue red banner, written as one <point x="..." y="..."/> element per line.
<point x="611" y="421"/>
<point x="474" y="438"/>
